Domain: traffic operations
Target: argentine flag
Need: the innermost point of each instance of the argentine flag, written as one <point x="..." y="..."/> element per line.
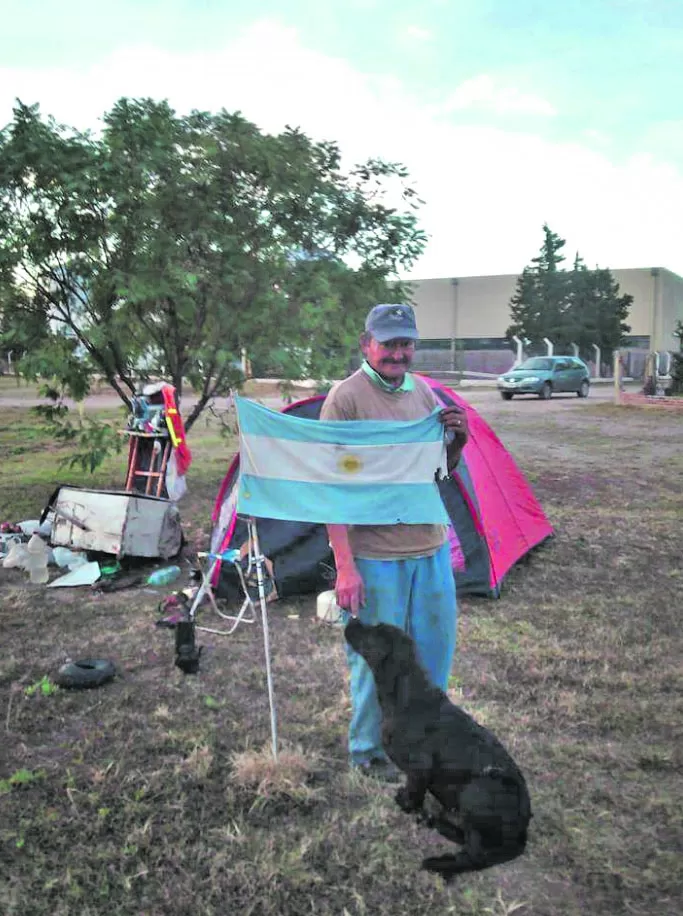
<point x="346" y="472"/>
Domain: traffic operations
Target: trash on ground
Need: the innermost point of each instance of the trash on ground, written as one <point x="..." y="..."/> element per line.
<point x="86" y="574"/>
<point x="119" y="583"/>
<point x="17" y="557"/>
<point x="164" y="576"/>
<point x="68" y="558"/>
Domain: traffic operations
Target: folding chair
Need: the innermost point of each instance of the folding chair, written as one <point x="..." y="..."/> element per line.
<point x="209" y="562"/>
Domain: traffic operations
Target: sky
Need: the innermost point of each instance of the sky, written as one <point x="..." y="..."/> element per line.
<point x="507" y="113"/>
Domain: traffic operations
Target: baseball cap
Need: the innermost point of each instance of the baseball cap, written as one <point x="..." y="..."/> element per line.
<point x="387" y="322"/>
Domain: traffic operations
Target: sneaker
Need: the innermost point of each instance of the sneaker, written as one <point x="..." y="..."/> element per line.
<point x="379" y="768"/>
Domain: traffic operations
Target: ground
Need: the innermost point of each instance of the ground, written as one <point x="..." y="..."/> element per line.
<point x="130" y="799"/>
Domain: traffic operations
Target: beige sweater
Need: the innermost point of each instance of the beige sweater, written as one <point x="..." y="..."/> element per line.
<point x="359" y="398"/>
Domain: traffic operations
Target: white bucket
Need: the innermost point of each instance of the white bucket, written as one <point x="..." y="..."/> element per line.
<point x="327" y="608"/>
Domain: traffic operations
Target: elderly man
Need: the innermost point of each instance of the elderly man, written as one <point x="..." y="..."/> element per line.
<point x="398" y="574"/>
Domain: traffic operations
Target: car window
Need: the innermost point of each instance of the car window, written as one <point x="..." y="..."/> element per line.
<point x="563" y="364"/>
<point x="537" y="362"/>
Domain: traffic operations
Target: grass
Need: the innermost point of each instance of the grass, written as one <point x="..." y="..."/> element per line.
<point x="157" y="794"/>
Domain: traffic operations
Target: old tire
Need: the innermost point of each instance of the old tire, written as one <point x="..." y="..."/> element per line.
<point x="86" y="672"/>
<point x="584" y="388"/>
<point x="546" y="391"/>
<point x="506" y="395"/>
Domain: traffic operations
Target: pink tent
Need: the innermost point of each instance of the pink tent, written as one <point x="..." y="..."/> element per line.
<point x="495" y="518"/>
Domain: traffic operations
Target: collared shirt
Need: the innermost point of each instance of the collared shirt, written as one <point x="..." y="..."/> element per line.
<point x="408" y="383"/>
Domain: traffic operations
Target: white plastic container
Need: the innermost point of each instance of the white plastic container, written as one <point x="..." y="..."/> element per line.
<point x="327" y="608"/>
<point x="37" y="560"/>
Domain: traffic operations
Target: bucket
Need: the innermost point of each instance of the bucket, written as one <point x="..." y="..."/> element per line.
<point x="327" y="608"/>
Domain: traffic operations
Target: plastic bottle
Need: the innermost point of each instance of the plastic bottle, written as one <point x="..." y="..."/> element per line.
<point x="37" y="560"/>
<point x="164" y="576"/>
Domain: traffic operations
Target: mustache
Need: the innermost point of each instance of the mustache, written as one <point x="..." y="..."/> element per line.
<point x="395" y="362"/>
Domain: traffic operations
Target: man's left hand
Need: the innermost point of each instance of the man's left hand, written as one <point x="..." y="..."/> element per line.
<point x="454" y="420"/>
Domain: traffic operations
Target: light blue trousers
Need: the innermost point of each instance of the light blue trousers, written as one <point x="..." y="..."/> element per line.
<point x="417" y="595"/>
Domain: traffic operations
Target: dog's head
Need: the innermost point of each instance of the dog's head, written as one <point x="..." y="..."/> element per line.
<point x="386" y="649"/>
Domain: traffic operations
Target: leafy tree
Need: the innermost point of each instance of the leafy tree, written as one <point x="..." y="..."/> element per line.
<point x="169" y="243"/>
<point x="579" y="306"/>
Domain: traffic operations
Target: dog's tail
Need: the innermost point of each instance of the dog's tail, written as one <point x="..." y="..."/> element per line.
<point x="474" y="858"/>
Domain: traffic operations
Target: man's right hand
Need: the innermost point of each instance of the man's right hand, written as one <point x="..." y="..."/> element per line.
<point x="349" y="589"/>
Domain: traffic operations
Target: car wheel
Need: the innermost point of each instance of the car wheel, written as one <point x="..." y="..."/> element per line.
<point x="506" y="395"/>
<point x="546" y="391"/>
<point x="583" y="389"/>
<point x="86" y="672"/>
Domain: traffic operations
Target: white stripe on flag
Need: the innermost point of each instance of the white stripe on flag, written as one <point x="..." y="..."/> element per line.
<point x="315" y="462"/>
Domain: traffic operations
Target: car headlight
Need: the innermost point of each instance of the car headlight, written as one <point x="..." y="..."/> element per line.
<point x="532" y="378"/>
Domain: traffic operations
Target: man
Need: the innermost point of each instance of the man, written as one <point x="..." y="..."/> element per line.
<point x="398" y="574"/>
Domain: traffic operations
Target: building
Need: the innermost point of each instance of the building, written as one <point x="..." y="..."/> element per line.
<point x="474" y="311"/>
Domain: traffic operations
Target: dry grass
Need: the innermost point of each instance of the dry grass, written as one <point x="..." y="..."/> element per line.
<point x="287" y="776"/>
<point x="158" y="794"/>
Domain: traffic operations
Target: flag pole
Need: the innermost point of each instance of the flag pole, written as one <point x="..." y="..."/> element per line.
<point x="259" y="560"/>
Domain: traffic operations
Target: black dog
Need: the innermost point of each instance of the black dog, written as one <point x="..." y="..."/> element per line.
<point x="443" y="751"/>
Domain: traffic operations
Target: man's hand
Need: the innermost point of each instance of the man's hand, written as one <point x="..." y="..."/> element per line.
<point x="454" y="420"/>
<point x="349" y="589"/>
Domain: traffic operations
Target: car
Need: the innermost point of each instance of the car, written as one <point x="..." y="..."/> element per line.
<point x="544" y="376"/>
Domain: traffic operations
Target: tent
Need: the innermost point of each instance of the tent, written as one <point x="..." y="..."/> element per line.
<point x="495" y="519"/>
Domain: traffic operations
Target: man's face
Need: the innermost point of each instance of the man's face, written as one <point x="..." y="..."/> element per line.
<point x="392" y="359"/>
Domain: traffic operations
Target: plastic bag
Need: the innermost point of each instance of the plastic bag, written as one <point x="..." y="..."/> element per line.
<point x="175" y="484"/>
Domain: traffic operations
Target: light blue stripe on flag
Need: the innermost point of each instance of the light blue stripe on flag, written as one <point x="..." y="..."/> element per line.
<point x="360" y="472"/>
<point x="257" y="420"/>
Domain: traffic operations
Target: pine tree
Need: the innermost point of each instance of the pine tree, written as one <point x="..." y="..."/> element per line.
<point x="580" y="305"/>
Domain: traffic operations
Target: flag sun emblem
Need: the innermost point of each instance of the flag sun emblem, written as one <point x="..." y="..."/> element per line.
<point x="350" y="464"/>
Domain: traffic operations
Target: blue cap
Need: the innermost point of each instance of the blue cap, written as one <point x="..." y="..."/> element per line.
<point x="388" y="322"/>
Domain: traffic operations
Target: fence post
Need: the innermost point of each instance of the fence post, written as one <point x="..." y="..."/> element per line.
<point x="550" y="346"/>
<point x="617" y="377"/>
<point x="596" y="349"/>
<point x="575" y="348"/>
<point x="520" y="351"/>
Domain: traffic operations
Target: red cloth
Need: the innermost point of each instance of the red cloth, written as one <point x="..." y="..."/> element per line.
<point x="177" y="430"/>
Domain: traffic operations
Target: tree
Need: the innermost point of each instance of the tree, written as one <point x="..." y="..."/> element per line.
<point x="580" y="305"/>
<point x="173" y="242"/>
<point x="542" y="293"/>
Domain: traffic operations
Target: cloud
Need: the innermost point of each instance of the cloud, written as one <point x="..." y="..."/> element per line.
<point x="488" y="188"/>
<point x="417" y="33"/>
<point x="482" y="92"/>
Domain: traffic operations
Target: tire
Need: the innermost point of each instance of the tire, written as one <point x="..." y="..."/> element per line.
<point x="546" y="391"/>
<point x="584" y="388"/>
<point x="86" y="672"/>
<point x="506" y="395"/>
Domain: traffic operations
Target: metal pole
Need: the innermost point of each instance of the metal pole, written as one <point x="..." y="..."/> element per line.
<point x="259" y="560"/>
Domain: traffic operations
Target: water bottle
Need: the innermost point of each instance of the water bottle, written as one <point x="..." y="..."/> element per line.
<point x="164" y="576"/>
<point x="37" y="560"/>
